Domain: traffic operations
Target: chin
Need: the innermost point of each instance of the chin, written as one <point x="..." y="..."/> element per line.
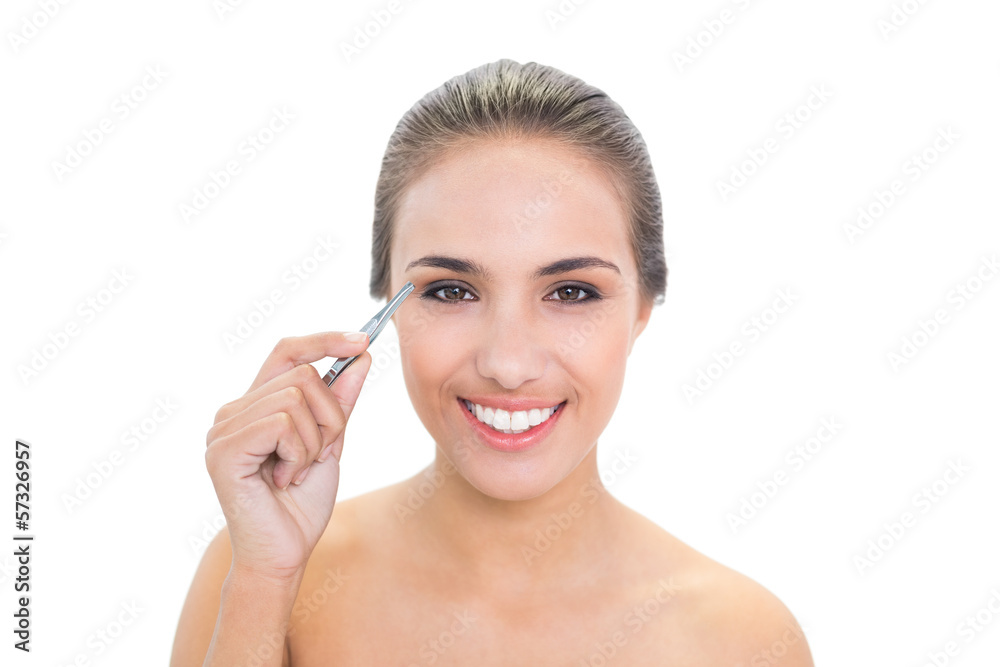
<point x="512" y="476"/>
<point x="508" y="481"/>
<point x="508" y="466"/>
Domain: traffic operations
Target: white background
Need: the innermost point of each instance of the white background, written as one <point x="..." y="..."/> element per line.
<point x="135" y="539"/>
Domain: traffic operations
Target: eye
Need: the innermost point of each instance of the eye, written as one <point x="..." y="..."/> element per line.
<point x="572" y="293"/>
<point x="456" y="293"/>
<point x="446" y="292"/>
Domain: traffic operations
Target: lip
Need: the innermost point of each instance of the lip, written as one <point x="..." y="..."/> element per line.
<point x="510" y="442"/>
<point x="512" y="404"/>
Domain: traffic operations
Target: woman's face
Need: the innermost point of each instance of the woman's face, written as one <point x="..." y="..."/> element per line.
<point x="526" y="297"/>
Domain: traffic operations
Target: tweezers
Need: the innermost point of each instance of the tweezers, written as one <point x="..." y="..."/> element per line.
<point x="373" y="328"/>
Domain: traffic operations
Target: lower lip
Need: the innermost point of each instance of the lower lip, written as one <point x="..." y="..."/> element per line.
<point x="511" y="442"/>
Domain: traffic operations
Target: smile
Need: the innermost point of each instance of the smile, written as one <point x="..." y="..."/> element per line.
<point x="518" y="421"/>
<point x="510" y="430"/>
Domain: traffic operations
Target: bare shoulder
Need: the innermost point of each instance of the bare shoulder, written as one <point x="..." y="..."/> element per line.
<point x="751" y="624"/>
<point x="355" y="525"/>
<point x="340" y="565"/>
<point x="345" y="572"/>
<point x="341" y="542"/>
<point x="724" y="617"/>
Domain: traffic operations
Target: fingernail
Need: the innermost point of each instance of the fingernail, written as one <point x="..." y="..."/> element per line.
<point x="356" y="337"/>
<point x="301" y="476"/>
<point x="325" y="453"/>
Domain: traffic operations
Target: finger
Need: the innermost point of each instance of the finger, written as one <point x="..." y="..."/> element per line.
<point x="290" y="399"/>
<point x="348" y="386"/>
<point x="347" y="389"/>
<point x="347" y="397"/>
<point x="296" y="350"/>
<point x="239" y="455"/>
<point x="322" y="402"/>
<point x="320" y="483"/>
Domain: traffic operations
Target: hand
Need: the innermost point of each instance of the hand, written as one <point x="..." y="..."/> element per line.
<point x="274" y="453"/>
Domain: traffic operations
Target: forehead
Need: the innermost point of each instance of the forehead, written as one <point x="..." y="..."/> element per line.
<point x="510" y="200"/>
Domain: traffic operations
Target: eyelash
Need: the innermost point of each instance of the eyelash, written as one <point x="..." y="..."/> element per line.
<point x="432" y="289"/>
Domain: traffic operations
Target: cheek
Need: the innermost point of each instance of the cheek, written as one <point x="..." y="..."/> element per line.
<point x="421" y="363"/>
<point x="594" y="352"/>
<point x="429" y="355"/>
<point x="594" y="338"/>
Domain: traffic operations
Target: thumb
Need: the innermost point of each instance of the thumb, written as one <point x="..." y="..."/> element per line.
<point x="348" y="386"/>
<point x="346" y="390"/>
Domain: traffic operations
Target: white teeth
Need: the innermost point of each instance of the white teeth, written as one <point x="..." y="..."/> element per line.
<point x="501" y="419"/>
<point x="509" y="422"/>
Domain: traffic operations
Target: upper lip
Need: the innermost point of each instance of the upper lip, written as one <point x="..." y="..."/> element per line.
<point x="513" y="404"/>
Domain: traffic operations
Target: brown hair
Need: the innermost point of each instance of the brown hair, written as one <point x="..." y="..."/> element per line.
<point x="506" y="99"/>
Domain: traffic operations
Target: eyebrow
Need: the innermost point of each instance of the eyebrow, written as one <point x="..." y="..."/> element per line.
<point x="459" y="265"/>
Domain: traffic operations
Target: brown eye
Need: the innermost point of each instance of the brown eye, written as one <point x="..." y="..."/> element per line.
<point x="448" y="293"/>
<point x="452" y="293"/>
<point x="571" y="293"/>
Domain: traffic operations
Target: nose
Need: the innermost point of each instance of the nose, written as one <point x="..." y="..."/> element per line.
<point x="512" y="352"/>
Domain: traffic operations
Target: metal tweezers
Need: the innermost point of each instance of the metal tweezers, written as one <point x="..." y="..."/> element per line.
<point x="373" y="328"/>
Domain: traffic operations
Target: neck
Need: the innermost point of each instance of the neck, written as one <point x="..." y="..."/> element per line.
<point x="515" y="547"/>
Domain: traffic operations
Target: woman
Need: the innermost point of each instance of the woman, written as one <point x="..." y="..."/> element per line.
<point x="522" y="204"/>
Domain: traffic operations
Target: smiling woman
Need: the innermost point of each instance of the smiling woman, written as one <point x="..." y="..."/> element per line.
<point x="521" y="203"/>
